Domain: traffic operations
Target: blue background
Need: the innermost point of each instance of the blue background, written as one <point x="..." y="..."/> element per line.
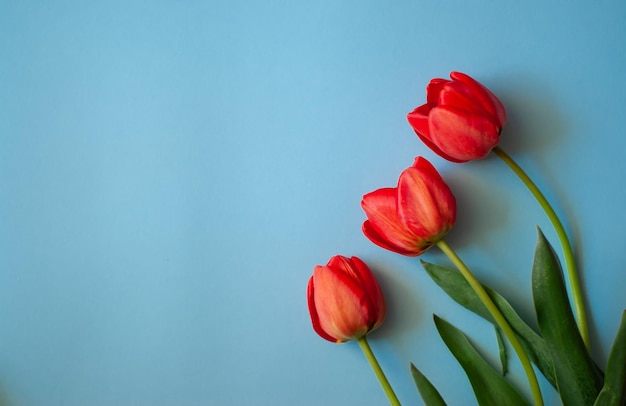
<point x="171" y="172"/>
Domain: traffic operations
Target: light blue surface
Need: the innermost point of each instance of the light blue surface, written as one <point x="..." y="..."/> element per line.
<point x="170" y="173"/>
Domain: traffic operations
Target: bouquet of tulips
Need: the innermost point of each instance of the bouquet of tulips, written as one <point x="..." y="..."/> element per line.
<point x="461" y="121"/>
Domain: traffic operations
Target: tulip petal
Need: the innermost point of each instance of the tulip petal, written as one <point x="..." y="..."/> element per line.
<point x="379" y="240"/>
<point x="458" y="96"/>
<point x="418" y="119"/>
<point x="445" y="197"/>
<point x="374" y="293"/>
<point x="461" y="135"/>
<point x="338" y="302"/>
<point x="416" y="205"/>
<point x="315" y="320"/>
<point x="425" y="202"/>
<point x="432" y="90"/>
<point x="360" y="274"/>
<point x="384" y="227"/>
<point x="490" y="100"/>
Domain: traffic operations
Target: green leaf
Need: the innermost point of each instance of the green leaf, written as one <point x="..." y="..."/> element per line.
<point x="502" y="351"/>
<point x="490" y="387"/>
<point x="429" y="393"/>
<point x="578" y="380"/>
<point x="455" y="285"/>
<point x="614" y="390"/>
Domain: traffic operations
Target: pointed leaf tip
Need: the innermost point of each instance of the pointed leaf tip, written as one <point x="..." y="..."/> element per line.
<point x="490" y="387"/>
<point x="427" y="390"/>
<point x="578" y="378"/>
<point x="614" y="390"/>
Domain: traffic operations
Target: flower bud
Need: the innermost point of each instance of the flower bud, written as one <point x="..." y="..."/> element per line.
<point x="411" y="217"/>
<point x="461" y="120"/>
<point x="345" y="300"/>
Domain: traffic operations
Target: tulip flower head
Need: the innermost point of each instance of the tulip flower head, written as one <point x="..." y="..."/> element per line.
<point x="411" y="217"/>
<point x="345" y="300"/>
<point x="461" y="120"/>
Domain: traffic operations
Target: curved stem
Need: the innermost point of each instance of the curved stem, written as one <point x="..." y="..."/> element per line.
<point x="570" y="263"/>
<point x="367" y="351"/>
<point x="498" y="317"/>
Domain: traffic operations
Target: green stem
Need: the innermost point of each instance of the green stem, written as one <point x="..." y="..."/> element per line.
<point x="498" y="317"/>
<point x="367" y="351"/>
<point x="570" y="263"/>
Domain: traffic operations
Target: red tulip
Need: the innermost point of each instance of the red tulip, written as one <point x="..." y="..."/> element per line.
<point x="461" y="120"/>
<point x="345" y="300"/>
<point x="410" y="218"/>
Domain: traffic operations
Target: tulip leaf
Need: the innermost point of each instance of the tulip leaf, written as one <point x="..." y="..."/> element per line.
<point x="490" y="387"/>
<point x="614" y="390"/>
<point x="428" y="392"/>
<point x="578" y="379"/>
<point x="455" y="285"/>
<point x="502" y="351"/>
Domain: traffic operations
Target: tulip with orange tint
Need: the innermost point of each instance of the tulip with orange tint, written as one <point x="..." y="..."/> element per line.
<point x="345" y="300"/>
<point x="411" y="217"/>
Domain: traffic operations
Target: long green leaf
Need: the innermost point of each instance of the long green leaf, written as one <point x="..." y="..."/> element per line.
<point x="578" y="380"/>
<point x="490" y="387"/>
<point x="428" y="392"/>
<point x="614" y="390"/>
<point x="455" y="285"/>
